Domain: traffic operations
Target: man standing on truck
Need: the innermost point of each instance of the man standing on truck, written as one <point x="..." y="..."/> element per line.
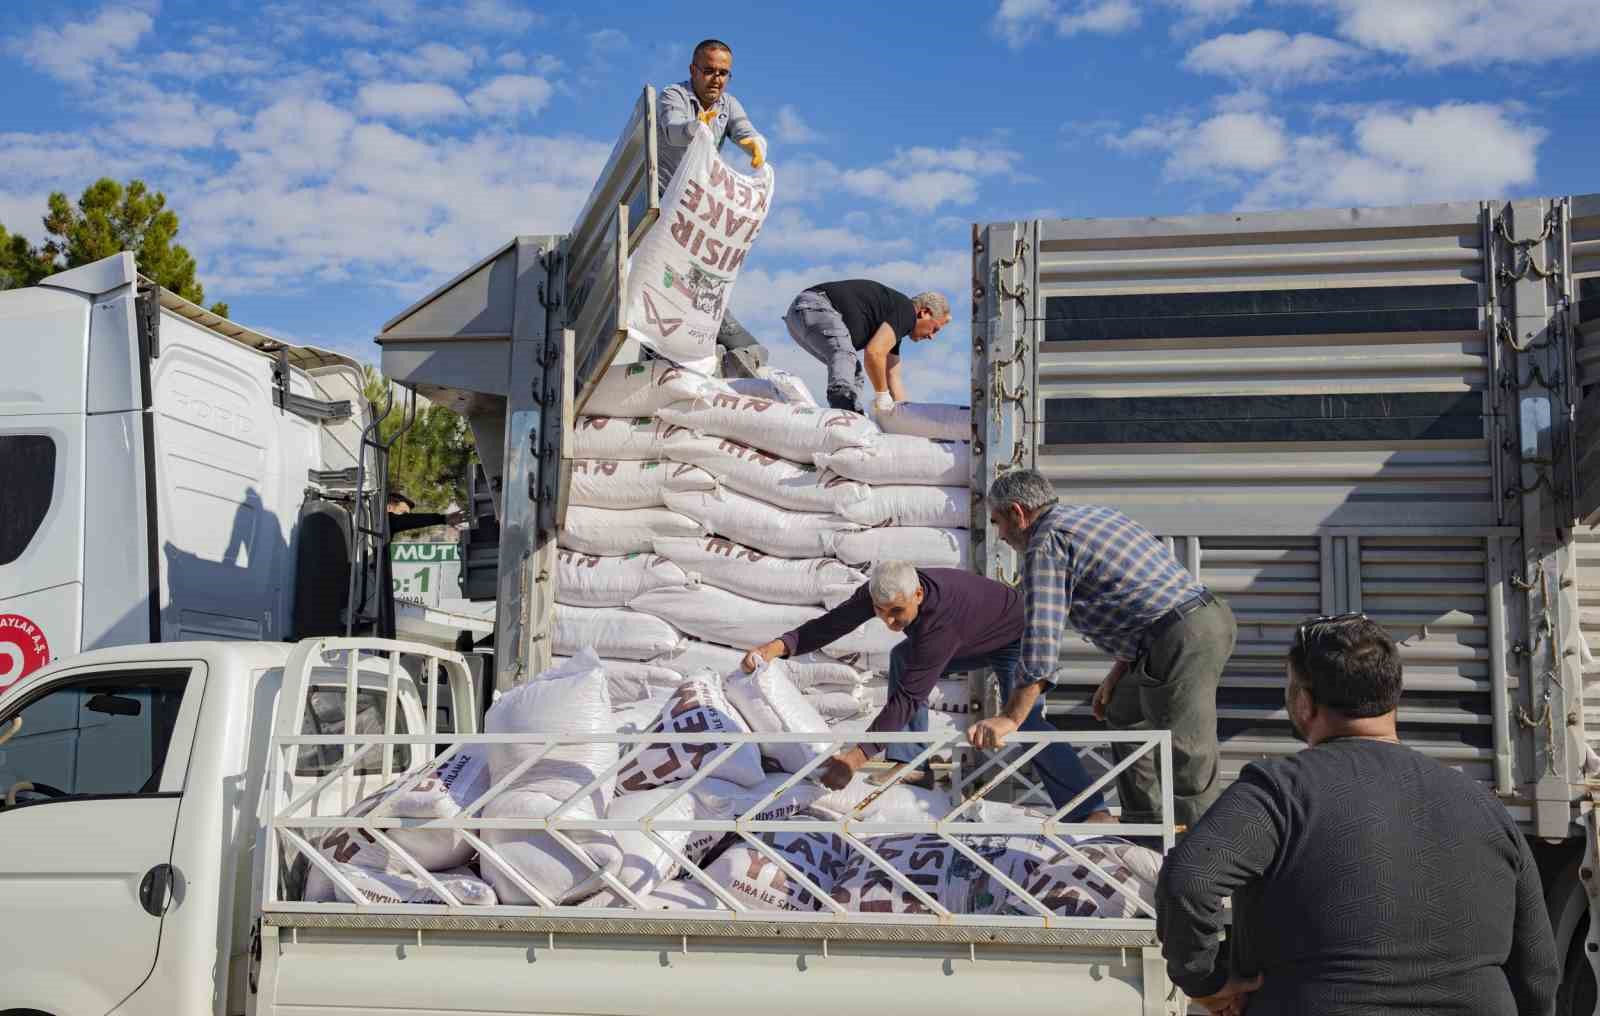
<point x="1365" y="876"/>
<point x="680" y="109"/>
<point x="954" y="621"/>
<point x="403" y="520"/>
<point x="834" y="321"/>
<point x="1103" y="574"/>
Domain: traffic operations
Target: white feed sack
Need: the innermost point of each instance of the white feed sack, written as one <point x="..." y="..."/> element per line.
<point x="640" y="389"/>
<point x="937" y="420"/>
<point x="755" y="523"/>
<point x="619" y="437"/>
<point x="678" y="894"/>
<point x="920" y="546"/>
<point x="444" y="793"/>
<point x="699" y="705"/>
<point x="379" y="886"/>
<point x="863" y="800"/>
<point x="645" y="862"/>
<point x="633" y="483"/>
<point x="769" y="701"/>
<point x="933" y="865"/>
<point x="572" y="699"/>
<point x="807" y="671"/>
<point x="905" y="505"/>
<point x="716" y="615"/>
<point x="606" y="532"/>
<point x="749" y="572"/>
<point x="797" y="433"/>
<point x="902" y="459"/>
<point x="588" y="580"/>
<point x="834" y="704"/>
<point x="633" y="681"/>
<point x="612" y="632"/>
<point x="758" y="882"/>
<point x="765" y="476"/>
<point x="1070" y="888"/>
<point x="867" y="647"/>
<point x="681" y="275"/>
<point x="790" y="388"/>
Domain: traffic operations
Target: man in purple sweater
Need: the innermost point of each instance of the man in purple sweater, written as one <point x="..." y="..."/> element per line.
<point x="954" y="621"/>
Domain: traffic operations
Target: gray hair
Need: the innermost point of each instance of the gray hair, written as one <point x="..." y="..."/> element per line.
<point x="1025" y="487"/>
<point x="892" y="580"/>
<point x="933" y="303"/>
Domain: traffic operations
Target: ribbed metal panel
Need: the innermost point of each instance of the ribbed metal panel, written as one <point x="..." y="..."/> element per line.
<point x="1215" y="287"/>
<point x="1586" y="549"/>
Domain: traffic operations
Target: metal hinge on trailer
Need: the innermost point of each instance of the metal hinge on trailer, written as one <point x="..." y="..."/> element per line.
<point x="317" y="410"/>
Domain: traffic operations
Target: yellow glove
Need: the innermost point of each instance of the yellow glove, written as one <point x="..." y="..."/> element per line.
<point x="751" y="145"/>
<point x="708" y="116"/>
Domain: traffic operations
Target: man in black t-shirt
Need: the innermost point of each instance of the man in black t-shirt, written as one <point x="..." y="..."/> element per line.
<point x="1366" y="877"/>
<point x="833" y="321"/>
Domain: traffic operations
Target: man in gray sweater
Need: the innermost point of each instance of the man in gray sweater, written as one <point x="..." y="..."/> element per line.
<point x="1366" y="877"/>
<point x="680" y="109"/>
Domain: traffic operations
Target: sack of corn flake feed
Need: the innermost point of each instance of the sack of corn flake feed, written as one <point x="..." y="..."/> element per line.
<point x="639" y="389"/>
<point x="905" y="505"/>
<point x="612" y="632"/>
<point x="445" y="793"/>
<point x="588" y="580"/>
<point x="807" y="671"/>
<point x="767" y="477"/>
<point x="682" y="273"/>
<point x="1070" y="888"/>
<point x="749" y="572"/>
<point x="900" y="458"/>
<point x="605" y="532"/>
<point x="797" y="433"/>
<point x="940" y="871"/>
<point x="771" y="704"/>
<point x="920" y="546"/>
<point x="761" y="884"/>
<point x="756" y="523"/>
<point x="716" y="615"/>
<point x="633" y="483"/>
<point x="928" y="419"/>
<point x="379" y="886"/>
<point x="619" y="437"/>
<point x="699" y="705"/>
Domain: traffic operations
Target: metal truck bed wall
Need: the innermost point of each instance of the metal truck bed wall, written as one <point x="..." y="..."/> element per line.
<point x="1324" y="411"/>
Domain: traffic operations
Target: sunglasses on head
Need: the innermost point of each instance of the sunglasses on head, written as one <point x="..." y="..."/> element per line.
<point x="1326" y="619"/>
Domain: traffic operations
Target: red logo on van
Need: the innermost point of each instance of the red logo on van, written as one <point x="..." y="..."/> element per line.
<point x="23" y="649"/>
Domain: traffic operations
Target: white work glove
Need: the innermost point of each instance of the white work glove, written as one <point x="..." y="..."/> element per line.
<point x="883" y="405"/>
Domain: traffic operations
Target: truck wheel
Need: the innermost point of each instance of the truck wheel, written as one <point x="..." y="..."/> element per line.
<point x="1576" y="996"/>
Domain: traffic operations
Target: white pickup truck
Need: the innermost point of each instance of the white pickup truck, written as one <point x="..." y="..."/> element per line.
<point x="155" y="794"/>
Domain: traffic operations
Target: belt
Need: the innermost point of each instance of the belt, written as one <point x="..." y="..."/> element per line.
<point x="1159" y="626"/>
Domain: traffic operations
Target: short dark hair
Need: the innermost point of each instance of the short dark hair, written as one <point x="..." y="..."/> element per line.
<point x="399" y="497"/>
<point x="713" y="44"/>
<point x="1348" y="664"/>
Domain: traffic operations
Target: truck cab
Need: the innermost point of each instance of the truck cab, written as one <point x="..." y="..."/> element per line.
<point x="166" y="474"/>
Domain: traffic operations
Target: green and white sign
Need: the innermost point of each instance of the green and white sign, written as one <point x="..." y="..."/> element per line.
<point x="426" y="573"/>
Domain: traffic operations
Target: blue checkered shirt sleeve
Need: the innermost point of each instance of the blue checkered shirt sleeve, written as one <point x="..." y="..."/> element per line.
<point x="1046" y="604"/>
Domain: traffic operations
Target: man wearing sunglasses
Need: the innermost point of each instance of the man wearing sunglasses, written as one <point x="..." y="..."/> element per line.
<point x="1365" y="877"/>
<point x="680" y="109"/>
<point x="1111" y="580"/>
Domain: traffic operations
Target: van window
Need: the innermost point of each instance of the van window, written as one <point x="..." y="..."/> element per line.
<point x="99" y="736"/>
<point x="27" y="482"/>
<point x="325" y="715"/>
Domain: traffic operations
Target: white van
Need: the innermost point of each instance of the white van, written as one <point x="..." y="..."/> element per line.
<point x="165" y="474"/>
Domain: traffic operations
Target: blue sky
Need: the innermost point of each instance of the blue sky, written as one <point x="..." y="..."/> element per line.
<point x="333" y="161"/>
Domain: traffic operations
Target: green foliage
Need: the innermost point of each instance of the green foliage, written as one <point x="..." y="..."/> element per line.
<point x="429" y="462"/>
<point x="108" y="218"/>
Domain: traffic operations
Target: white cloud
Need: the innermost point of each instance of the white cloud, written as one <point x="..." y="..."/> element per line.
<point x="75" y="51"/>
<point x="791" y="232"/>
<point x="499" y="16"/>
<point x="167" y="119"/>
<point x="1018" y="21"/>
<point x="1198" y="14"/>
<point x="921" y="179"/>
<point x="1453" y="151"/>
<point x="511" y="95"/>
<point x="1271" y="57"/>
<point x="436" y="60"/>
<point x="1438" y="33"/>
<point x="410" y="101"/>
<point x="606" y="40"/>
<point x="792" y="129"/>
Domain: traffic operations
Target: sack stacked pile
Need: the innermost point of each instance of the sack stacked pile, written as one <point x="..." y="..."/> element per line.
<point x="708" y="516"/>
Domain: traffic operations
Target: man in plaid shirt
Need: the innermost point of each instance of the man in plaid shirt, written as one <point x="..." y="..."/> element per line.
<point x="1111" y="580"/>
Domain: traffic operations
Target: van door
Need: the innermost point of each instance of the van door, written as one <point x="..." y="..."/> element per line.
<point x="41" y="477"/>
<point x="92" y="783"/>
